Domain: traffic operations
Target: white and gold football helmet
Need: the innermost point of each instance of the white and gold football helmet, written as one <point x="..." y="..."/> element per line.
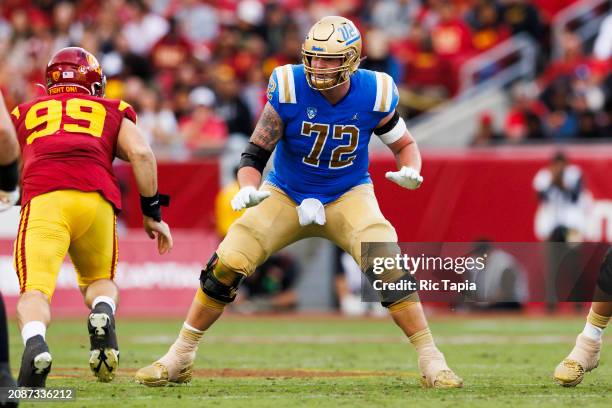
<point x="331" y="37"/>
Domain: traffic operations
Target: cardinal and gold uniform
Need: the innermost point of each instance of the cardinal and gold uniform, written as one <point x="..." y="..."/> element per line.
<point x="69" y="192"/>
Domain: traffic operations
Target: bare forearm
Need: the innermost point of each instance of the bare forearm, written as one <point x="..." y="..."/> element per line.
<point x="144" y="168"/>
<point x="9" y="148"/>
<point x="409" y="156"/>
<point x="249" y="176"/>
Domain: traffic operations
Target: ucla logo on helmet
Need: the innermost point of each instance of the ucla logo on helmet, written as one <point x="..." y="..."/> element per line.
<point x="349" y="33"/>
<point x="311" y="112"/>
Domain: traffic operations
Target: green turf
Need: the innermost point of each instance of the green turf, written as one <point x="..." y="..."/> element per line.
<point x="504" y="362"/>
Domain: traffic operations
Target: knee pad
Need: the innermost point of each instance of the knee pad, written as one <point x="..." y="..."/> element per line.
<point x="219" y="282"/>
<point x="394" y="285"/>
<point x="604" y="282"/>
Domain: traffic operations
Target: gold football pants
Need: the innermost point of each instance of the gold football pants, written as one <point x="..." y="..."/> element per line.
<point x="82" y="224"/>
<point x="273" y="224"/>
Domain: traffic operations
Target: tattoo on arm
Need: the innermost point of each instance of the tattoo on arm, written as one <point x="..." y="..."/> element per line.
<point x="269" y="129"/>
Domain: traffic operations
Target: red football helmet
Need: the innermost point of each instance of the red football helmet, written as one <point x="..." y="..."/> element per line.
<point x="73" y="69"/>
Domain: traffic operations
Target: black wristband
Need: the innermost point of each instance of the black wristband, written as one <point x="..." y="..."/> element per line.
<point x="9" y="176"/>
<point x="151" y="206"/>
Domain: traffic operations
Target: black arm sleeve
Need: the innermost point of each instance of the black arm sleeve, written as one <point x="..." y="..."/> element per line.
<point x="255" y="156"/>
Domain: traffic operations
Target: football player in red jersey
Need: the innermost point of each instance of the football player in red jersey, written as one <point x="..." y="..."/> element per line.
<point x="69" y="200"/>
<point x="9" y="194"/>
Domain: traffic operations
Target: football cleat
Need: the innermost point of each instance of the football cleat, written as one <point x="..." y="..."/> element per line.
<point x="104" y="354"/>
<point x="435" y="373"/>
<point x="443" y="379"/>
<point x="156" y="375"/>
<point x="583" y="358"/>
<point x="35" y="363"/>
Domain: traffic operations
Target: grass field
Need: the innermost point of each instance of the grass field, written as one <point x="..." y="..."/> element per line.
<point x="331" y="362"/>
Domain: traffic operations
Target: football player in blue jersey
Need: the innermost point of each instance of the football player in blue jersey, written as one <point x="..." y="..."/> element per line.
<point x="319" y="117"/>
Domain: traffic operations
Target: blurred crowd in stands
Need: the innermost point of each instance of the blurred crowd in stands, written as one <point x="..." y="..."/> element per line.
<point x="196" y="70"/>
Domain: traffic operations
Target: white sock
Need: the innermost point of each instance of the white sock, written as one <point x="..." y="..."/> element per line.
<point x="31" y="329"/>
<point x="592" y="332"/>
<point x="104" y="299"/>
<point x="183" y="351"/>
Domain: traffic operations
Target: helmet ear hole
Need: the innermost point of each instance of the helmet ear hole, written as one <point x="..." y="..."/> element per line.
<point x="98" y="88"/>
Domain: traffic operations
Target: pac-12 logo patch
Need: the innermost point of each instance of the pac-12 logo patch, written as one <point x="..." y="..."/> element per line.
<point x="271" y="88"/>
<point x="311" y="112"/>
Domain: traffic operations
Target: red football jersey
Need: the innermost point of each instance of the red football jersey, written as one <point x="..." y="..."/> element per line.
<point x="68" y="142"/>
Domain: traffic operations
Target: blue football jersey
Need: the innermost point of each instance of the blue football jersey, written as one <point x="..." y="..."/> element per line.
<point x="324" y="149"/>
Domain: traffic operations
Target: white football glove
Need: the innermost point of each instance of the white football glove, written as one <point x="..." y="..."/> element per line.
<point x="406" y="177"/>
<point x="8" y="199"/>
<point x="248" y="197"/>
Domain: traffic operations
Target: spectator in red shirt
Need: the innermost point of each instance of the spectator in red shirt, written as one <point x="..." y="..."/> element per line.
<point x="451" y="37"/>
<point x="172" y="50"/>
<point x="203" y="131"/>
<point x="425" y="80"/>
<point x="423" y="68"/>
<point x="572" y="57"/>
<point x="452" y="42"/>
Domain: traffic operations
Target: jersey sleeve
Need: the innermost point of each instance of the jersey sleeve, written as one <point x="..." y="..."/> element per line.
<point x="387" y="95"/>
<point x="281" y="90"/>
<point x="127" y="111"/>
<point x="16" y="116"/>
